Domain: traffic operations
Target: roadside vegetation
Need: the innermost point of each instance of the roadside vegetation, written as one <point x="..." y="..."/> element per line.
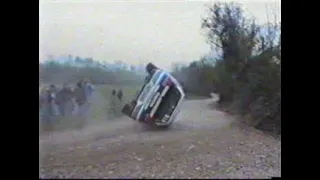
<point x="246" y="68"/>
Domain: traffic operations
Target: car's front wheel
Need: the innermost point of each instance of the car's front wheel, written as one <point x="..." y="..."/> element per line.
<point x="126" y="110"/>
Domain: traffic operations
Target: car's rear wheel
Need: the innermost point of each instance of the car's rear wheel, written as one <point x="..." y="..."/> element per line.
<point x="165" y="126"/>
<point x="151" y="68"/>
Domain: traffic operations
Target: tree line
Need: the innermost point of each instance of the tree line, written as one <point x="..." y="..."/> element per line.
<point x="54" y="72"/>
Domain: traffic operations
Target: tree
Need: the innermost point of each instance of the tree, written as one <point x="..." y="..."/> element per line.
<point x="70" y="57"/>
<point x="132" y="68"/>
<point x="98" y="73"/>
<point x="235" y="36"/>
<point x="247" y="76"/>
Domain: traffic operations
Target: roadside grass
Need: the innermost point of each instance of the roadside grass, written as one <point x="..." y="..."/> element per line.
<point x="111" y="109"/>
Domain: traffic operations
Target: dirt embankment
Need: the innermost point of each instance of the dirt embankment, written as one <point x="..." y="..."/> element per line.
<point x="202" y="143"/>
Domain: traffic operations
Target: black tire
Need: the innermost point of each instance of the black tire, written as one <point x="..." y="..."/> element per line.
<point x="126" y="110"/>
<point x="165" y="127"/>
<point x="150" y="68"/>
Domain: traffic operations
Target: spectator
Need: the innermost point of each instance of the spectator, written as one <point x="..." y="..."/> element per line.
<point x="120" y="95"/>
<point x="113" y="102"/>
<point x="80" y="96"/>
<point x="53" y="90"/>
<point x="49" y="109"/>
<point x="88" y="87"/>
<point x="65" y="100"/>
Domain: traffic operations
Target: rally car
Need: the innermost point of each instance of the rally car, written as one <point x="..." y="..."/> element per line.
<point x="158" y="101"/>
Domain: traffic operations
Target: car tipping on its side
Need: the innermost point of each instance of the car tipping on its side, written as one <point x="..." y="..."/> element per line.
<point x="158" y="101"/>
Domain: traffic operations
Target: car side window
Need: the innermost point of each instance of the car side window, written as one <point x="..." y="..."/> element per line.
<point x="155" y="77"/>
<point x="145" y="92"/>
<point x="152" y="81"/>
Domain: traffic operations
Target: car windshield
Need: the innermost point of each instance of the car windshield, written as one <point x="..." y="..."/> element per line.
<point x="145" y="91"/>
<point x="155" y="77"/>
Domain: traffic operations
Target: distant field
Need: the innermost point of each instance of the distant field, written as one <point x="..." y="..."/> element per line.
<point x="105" y="108"/>
<point x="101" y="108"/>
<point x="129" y="91"/>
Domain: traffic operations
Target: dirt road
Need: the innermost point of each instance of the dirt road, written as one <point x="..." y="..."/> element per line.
<point x="203" y="143"/>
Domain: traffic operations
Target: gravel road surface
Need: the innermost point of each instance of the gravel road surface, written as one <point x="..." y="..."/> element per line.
<point x="202" y="143"/>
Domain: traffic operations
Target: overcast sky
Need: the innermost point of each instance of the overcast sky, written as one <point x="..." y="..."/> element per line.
<point x="131" y="31"/>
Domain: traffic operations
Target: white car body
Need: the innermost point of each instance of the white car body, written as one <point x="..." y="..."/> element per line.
<point x="159" y="100"/>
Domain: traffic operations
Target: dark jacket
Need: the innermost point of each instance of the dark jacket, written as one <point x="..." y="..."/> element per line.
<point x="64" y="95"/>
<point x="120" y="94"/>
<point x="80" y="95"/>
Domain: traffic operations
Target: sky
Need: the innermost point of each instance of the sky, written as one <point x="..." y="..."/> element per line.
<point x="132" y="31"/>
